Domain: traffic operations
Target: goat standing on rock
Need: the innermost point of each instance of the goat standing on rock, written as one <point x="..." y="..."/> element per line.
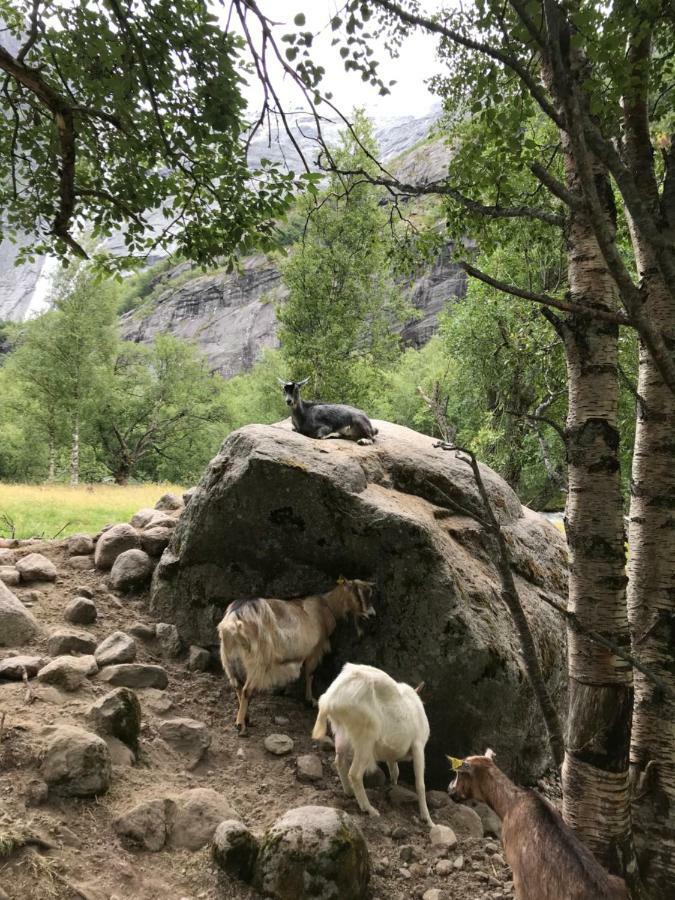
<point x="324" y="420"/>
<point x="548" y="860"/>
<point x="265" y="643"/>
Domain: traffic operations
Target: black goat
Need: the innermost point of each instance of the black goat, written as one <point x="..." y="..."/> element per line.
<point x="324" y="420"/>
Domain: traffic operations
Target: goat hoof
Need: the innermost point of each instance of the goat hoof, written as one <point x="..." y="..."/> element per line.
<point x="373" y="813"/>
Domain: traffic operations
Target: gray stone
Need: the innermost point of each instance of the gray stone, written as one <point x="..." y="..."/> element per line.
<point x="10" y="575"/>
<point x="80" y="611"/>
<point x="187" y="495"/>
<point x="135" y="675"/>
<point x="375" y="779"/>
<point x="165" y="520"/>
<point x="399" y="795"/>
<point x="492" y="824"/>
<point x="118" y="647"/>
<point x="278" y="744"/>
<point x="68" y="672"/>
<point x="442" y="836"/>
<point x="443" y="867"/>
<point x="464" y="821"/>
<point x="434" y="894"/>
<point x="81" y="563"/>
<point x="114" y="541"/>
<point x="145" y="825"/>
<point x="76" y="763"/>
<point x="64" y="641"/>
<point x="168" y="639"/>
<point x="197" y="815"/>
<point x="36" y="567"/>
<point x="37" y="792"/>
<point x="7" y="557"/>
<point x="309" y="767"/>
<point x="448" y="629"/>
<point x="142" y="631"/>
<point x="83" y="591"/>
<point x="235" y="849"/>
<point x="437" y="799"/>
<point x="118" y="713"/>
<point x="13" y="667"/>
<point x="131" y="571"/>
<point x="155" y="540"/>
<point x="17" y="625"/>
<point x="313" y="852"/>
<point x="80" y="545"/>
<point x="199" y="659"/>
<point x="188" y="737"/>
<point x="169" y="502"/>
<point x="143" y="517"/>
<point x="458" y="862"/>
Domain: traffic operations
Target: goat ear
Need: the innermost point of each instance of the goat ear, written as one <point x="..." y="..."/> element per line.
<point x="455" y="763"/>
<point x="490" y="754"/>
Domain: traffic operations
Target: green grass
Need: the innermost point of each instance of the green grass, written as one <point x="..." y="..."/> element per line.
<point x="57" y="510"/>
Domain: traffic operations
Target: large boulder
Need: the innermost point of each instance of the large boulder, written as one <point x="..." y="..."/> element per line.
<point x="113" y="542"/>
<point x="17" y="625"/>
<point x="279" y="515"/>
<point x="313" y="852"/>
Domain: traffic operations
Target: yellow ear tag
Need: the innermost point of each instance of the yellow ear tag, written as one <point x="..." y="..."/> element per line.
<point x="341" y="579"/>
<point x="454" y="762"/>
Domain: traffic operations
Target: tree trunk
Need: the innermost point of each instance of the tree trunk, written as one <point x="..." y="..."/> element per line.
<point x="121" y="476"/>
<point x="595" y="771"/>
<point x="75" y="453"/>
<point x="51" y="475"/>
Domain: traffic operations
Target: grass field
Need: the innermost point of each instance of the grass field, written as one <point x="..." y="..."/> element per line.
<point x="57" y="510"/>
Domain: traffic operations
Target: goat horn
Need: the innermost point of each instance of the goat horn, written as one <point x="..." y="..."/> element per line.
<point x="281" y="381"/>
<point x="454" y="762"/>
<point x="304" y="381"/>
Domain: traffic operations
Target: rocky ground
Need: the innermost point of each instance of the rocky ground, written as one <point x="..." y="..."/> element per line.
<point x="65" y="796"/>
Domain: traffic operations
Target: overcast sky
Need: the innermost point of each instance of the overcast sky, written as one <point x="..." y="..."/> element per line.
<point x="417" y="61"/>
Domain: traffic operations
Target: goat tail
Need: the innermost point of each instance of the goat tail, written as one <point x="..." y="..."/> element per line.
<point x="321" y="724"/>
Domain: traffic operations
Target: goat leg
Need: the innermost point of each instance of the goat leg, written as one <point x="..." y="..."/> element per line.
<point x="418" y="766"/>
<point x="357" y="770"/>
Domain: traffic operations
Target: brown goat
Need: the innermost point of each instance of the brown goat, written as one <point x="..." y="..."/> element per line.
<point x="548" y="860"/>
<point x="266" y="643"/>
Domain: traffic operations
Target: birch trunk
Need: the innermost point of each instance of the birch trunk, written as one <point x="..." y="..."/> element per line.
<point x="51" y="475"/>
<point x="75" y="453"/>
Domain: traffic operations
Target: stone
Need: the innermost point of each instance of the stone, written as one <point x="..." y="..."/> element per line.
<point x="155" y="540"/>
<point x="82" y="563"/>
<point x="309" y="767"/>
<point x="458" y="862"/>
<point x="13" y="667"/>
<point x="135" y="675"/>
<point x="169" y="502"/>
<point x="143" y="517"/>
<point x="463" y="820"/>
<point x="83" y="591"/>
<point x="17" y="624"/>
<point x="168" y="639"/>
<point x="399" y="795"/>
<point x="10" y="575"/>
<point x="118" y="647"/>
<point x="37" y="792"/>
<point x="142" y="631"/>
<point x="131" y="571"/>
<point x="165" y="520"/>
<point x="375" y="779"/>
<point x="437" y="799"/>
<point x="199" y="659"/>
<point x="188" y="495"/>
<point x="407" y="853"/>
<point x="197" y="815"/>
<point x="65" y="641"/>
<point x="235" y="850"/>
<point x="443" y="867"/>
<point x="36" y="567"/>
<point x="76" y="762"/>
<point x="278" y="744"/>
<point x="442" y="836"/>
<point x="118" y="713"/>
<point x="7" y="557"/>
<point x="114" y="541"/>
<point x="313" y="852"/>
<point x="188" y="737"/>
<point x="434" y="894"/>
<point x="68" y="672"/>
<point x="79" y="545"/>
<point x="121" y="756"/>
<point x="145" y="825"/>
<point x="492" y="824"/>
<point x="450" y="629"/>
<point x="80" y="611"/>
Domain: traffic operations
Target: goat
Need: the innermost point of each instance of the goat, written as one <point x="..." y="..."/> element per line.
<point x="548" y="860"/>
<point x="324" y="420"/>
<point x="265" y="643"/>
<point x="379" y="719"/>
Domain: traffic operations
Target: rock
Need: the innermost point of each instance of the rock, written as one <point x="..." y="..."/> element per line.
<point x="155" y="540"/>
<point x="434" y="894"/>
<point x="135" y="675"/>
<point x="375" y="779"/>
<point x="199" y="660"/>
<point x="83" y="591"/>
<point x="169" y="502"/>
<point x="68" y="672"/>
<point x="449" y="628"/>
<point x="17" y="625"/>
<point x="37" y="792"/>
<point x="492" y="824"/>
<point x="400" y="795"/>
<point x="313" y="852"/>
<point x="79" y="545"/>
<point x="309" y="767"/>
<point x="145" y="825"/>
<point x="142" y="631"/>
<point x="442" y="836"/>
<point x="131" y="570"/>
<point x="121" y="756"/>
<point x="13" y="667"/>
<point x="188" y="737"/>
<point x="458" y="862"/>
<point x="143" y="517"/>
<point x="76" y="762"/>
<point x="80" y="611"/>
<point x="157" y="701"/>
<point x="118" y="647"/>
<point x="188" y="495"/>
<point x="81" y="563"/>
<point x="464" y="820"/>
<point x="407" y="853"/>
<point x="165" y="520"/>
<point x="114" y="541"/>
<point x="7" y="557"/>
<point x="443" y="867"/>
<point x="168" y="639"/>
<point x="64" y="641"/>
<point x="36" y="567"/>
<point x="279" y="744"/>
<point x="437" y="799"/>
<point x="235" y="849"/>
<point x="10" y="575"/>
<point x="198" y="813"/>
<point x="118" y="713"/>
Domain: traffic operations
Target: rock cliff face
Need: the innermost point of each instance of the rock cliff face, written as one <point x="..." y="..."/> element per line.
<point x="279" y="515"/>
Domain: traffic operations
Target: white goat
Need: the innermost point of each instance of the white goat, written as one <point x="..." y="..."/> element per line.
<point x="379" y="720"/>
